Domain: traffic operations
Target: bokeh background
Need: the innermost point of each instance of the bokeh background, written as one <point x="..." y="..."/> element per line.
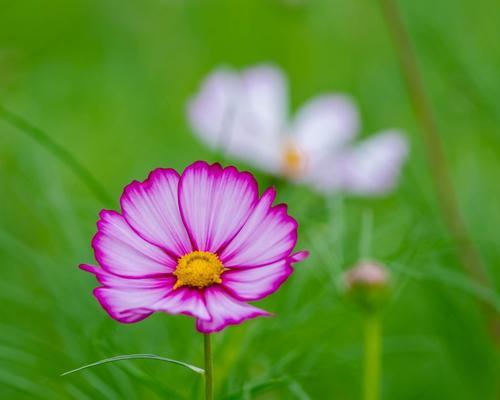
<point x="109" y="81"/>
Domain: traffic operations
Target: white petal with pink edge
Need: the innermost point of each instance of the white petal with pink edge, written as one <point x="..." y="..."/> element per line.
<point x="268" y="235"/>
<point x="215" y="203"/>
<point x="186" y="301"/>
<point x="151" y="208"/>
<point x="120" y="250"/>
<point x="130" y="300"/>
<point x="225" y="310"/>
<point x="299" y="256"/>
<point x="256" y="283"/>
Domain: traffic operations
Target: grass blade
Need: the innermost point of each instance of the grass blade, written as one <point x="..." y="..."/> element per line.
<point x="136" y="357"/>
<point x="59" y="151"/>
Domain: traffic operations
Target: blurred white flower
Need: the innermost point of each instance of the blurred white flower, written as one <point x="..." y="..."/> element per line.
<point x="246" y="116"/>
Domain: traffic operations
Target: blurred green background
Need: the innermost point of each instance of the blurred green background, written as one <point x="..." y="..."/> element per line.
<point x="109" y="81"/>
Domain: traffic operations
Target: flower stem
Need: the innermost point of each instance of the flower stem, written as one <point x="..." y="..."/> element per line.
<point x="434" y="148"/>
<point x="209" y="374"/>
<point x="58" y="151"/>
<point x="365" y="243"/>
<point x="372" y="357"/>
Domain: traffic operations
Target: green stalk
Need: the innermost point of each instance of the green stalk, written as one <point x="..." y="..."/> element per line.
<point x="434" y="148"/>
<point x="365" y="243"/>
<point x="59" y="152"/>
<point x="372" y="367"/>
<point x="209" y="375"/>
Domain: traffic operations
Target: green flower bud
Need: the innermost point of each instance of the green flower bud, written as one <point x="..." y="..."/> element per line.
<point x="367" y="284"/>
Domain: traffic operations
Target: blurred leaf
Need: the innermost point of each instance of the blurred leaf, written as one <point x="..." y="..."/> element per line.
<point x="24" y="385"/>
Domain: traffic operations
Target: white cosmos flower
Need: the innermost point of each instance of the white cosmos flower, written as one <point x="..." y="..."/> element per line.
<point x="246" y="116"/>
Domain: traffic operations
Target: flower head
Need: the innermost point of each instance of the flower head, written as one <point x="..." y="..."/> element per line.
<point x="246" y="115"/>
<point x="202" y="244"/>
<point x="368" y="284"/>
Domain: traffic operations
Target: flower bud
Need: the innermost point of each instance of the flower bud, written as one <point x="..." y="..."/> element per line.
<point x="368" y="285"/>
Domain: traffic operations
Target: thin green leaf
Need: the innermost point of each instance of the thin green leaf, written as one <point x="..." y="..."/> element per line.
<point x="58" y="151"/>
<point x="136" y="357"/>
<point x="296" y="388"/>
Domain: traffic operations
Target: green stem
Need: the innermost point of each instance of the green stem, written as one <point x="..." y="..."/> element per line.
<point x="372" y="357"/>
<point x="209" y="374"/>
<point x="365" y="243"/>
<point x="434" y="148"/>
<point x="58" y="151"/>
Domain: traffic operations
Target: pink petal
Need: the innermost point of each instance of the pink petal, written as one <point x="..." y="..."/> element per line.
<point x="151" y="208"/>
<point x="121" y="251"/>
<point x="225" y="310"/>
<point x="258" y="282"/>
<point x="373" y="167"/>
<point x="186" y="301"/>
<point x="324" y="125"/>
<point x="268" y="235"/>
<point x="215" y="203"/>
<point x="299" y="256"/>
<point x="131" y="300"/>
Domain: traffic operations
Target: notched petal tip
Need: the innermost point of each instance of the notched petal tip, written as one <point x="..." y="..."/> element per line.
<point x="206" y="328"/>
<point x="89" y="268"/>
<point x="146" y="183"/>
<point x="214" y="203"/>
<point x="299" y="256"/>
<point x="125" y="316"/>
<point x="225" y="310"/>
<point x="151" y="209"/>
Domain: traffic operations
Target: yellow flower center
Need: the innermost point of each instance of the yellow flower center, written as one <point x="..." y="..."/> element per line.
<point x="198" y="269"/>
<point x="292" y="160"/>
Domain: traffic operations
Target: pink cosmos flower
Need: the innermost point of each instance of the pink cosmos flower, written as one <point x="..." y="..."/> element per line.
<point x="245" y="115"/>
<point x="201" y="244"/>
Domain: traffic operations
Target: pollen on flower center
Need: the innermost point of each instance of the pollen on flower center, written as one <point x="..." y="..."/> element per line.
<point x="198" y="269"/>
<point x="292" y="160"/>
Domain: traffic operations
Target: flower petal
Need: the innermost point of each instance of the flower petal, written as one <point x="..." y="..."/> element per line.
<point x="324" y="125"/>
<point x="266" y="95"/>
<point x="373" y="167"/>
<point x="268" y="235"/>
<point x="151" y="208"/>
<point x="258" y="149"/>
<point x="122" y="251"/>
<point x="243" y="115"/>
<point x="131" y="300"/>
<point x="211" y="113"/>
<point x="299" y="256"/>
<point x="225" y="310"/>
<point x="186" y="301"/>
<point x="215" y="203"/>
<point x="256" y="283"/>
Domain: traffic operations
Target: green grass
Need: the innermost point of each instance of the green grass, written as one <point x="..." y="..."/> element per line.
<point x="109" y="80"/>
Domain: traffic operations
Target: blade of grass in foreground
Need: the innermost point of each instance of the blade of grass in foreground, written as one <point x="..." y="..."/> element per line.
<point x="58" y="151"/>
<point x="135" y="357"/>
